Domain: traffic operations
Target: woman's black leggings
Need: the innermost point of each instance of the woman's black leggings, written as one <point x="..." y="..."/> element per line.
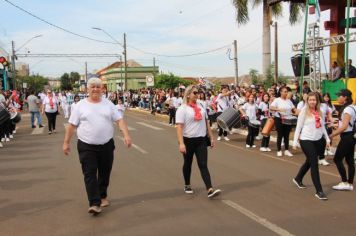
<point x="252" y="133"/>
<point x="311" y="150"/>
<point x="51" y="117"/>
<point x="265" y="139"/>
<point x="172" y="116"/>
<point x="283" y="132"/>
<point x="346" y="149"/>
<point x="198" y="147"/>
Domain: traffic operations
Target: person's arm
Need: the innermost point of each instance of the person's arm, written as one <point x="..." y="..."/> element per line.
<point x="242" y="110"/>
<point x="123" y="127"/>
<point x="67" y="137"/>
<point x="182" y="148"/>
<point x="298" y="129"/>
<point x="345" y="124"/>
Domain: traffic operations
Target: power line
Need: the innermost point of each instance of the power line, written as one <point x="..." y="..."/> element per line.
<point x="56" y="26"/>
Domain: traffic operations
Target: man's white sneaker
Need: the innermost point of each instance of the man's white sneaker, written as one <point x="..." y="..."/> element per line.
<point x="2" y="139"/>
<point x="262" y="149"/>
<point x="219" y="138"/>
<point x="248" y="146"/>
<point x="279" y="154"/>
<point x="268" y="149"/>
<point x="323" y="162"/>
<point x="11" y="136"/>
<point x="7" y="140"/>
<point x="226" y="139"/>
<point x="14" y="131"/>
<point x="1" y="145"/>
<point x="343" y="187"/>
<point x="287" y="153"/>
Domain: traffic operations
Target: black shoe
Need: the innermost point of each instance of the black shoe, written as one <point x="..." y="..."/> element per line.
<point x="299" y="184"/>
<point x="41" y="126"/>
<point x="188" y="190"/>
<point x="321" y="196"/>
<point x="33" y="126"/>
<point x="214" y="193"/>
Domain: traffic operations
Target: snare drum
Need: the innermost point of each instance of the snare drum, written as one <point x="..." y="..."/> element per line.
<point x="15" y="117"/>
<point x="228" y="119"/>
<point x="254" y="124"/>
<point x="266" y="131"/>
<point x="292" y="121"/>
<point x="4" y="114"/>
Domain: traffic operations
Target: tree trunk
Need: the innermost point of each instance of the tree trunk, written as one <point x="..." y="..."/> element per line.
<point x="266" y="41"/>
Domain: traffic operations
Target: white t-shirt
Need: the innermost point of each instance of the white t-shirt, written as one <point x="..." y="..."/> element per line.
<point x="284" y="104"/>
<point x="351" y="112"/>
<point x="300" y="105"/>
<point x="265" y="110"/>
<point x="48" y="108"/>
<point x="306" y="129"/>
<point x="250" y="110"/>
<point x="192" y="128"/>
<point x="325" y="110"/>
<point x="222" y="102"/>
<point x="94" y="121"/>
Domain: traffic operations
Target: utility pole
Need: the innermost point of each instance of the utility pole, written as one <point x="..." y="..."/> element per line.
<point x="86" y="73"/>
<point x="13" y="59"/>
<point x="275" y="52"/>
<point x="154" y="66"/>
<point x="121" y="74"/>
<point x="125" y="61"/>
<point x="236" y="64"/>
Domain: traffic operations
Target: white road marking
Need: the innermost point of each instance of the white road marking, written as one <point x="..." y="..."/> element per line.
<point x="131" y="128"/>
<point x="149" y="126"/>
<point x="163" y="123"/>
<point x="264" y="222"/>
<point x="136" y="147"/>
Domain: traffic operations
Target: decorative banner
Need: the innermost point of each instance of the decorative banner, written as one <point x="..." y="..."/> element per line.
<point x="150" y="81"/>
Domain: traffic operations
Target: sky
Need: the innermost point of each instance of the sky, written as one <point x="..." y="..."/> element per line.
<point x="173" y="27"/>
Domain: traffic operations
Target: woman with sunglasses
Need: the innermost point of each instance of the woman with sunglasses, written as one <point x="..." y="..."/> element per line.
<point x="310" y="132"/>
<point x="192" y="131"/>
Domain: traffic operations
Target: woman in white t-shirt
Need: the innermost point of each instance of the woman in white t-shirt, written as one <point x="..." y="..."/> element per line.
<point x="50" y="107"/>
<point x="284" y="109"/>
<point x="310" y="131"/>
<point x="301" y="104"/>
<point x="249" y="110"/>
<point x="346" y="147"/>
<point x="192" y="132"/>
<point x="265" y="114"/>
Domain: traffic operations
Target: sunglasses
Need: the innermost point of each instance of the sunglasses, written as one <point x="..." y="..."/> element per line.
<point x="195" y="92"/>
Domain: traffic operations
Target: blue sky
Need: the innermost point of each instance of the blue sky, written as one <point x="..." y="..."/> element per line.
<point x="163" y="27"/>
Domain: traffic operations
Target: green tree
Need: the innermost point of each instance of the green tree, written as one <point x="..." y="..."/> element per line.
<point x="34" y="82"/>
<point x="242" y="17"/>
<point x="68" y="80"/>
<point x="169" y="81"/>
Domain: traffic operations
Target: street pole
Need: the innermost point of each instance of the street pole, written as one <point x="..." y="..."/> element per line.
<point x="347" y="40"/>
<point x="236" y="64"/>
<point x="13" y="59"/>
<point x="121" y="74"/>
<point x="125" y="61"/>
<point x="275" y="52"/>
<point x="304" y="45"/>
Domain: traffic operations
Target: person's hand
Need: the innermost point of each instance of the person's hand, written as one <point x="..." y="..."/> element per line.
<point x="66" y="148"/>
<point x="128" y="141"/>
<point x="328" y="146"/>
<point x="212" y="141"/>
<point x="182" y="149"/>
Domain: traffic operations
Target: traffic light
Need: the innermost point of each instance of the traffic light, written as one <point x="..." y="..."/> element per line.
<point x="3" y="61"/>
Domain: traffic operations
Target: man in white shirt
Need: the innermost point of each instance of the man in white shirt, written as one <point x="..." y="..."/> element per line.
<point x="93" y="118"/>
<point x="223" y="103"/>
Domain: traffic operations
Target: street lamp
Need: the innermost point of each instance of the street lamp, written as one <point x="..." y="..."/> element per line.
<point x="14" y="57"/>
<point x="124" y="52"/>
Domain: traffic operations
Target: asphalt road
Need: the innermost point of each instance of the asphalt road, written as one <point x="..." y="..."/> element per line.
<point x="42" y="191"/>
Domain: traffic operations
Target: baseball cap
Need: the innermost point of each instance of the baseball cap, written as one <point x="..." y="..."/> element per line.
<point x="344" y="93"/>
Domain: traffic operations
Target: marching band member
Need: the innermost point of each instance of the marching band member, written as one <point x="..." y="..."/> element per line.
<point x="265" y="114"/>
<point x="192" y="130"/>
<point x="346" y="147"/>
<point x="327" y="116"/>
<point x="249" y="110"/>
<point x="283" y="108"/>
<point x="223" y="104"/>
<point x="310" y="131"/>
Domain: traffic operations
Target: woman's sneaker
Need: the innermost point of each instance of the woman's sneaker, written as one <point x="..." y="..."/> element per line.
<point x="95" y="210"/>
<point x="323" y="162"/>
<point x="299" y="184"/>
<point x="342" y="186"/>
<point x="214" y="193"/>
<point x="268" y="149"/>
<point x="288" y="153"/>
<point x="188" y="190"/>
<point x="279" y="154"/>
<point x="321" y="196"/>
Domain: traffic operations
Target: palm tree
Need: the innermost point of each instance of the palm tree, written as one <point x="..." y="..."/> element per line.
<point x="270" y="8"/>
